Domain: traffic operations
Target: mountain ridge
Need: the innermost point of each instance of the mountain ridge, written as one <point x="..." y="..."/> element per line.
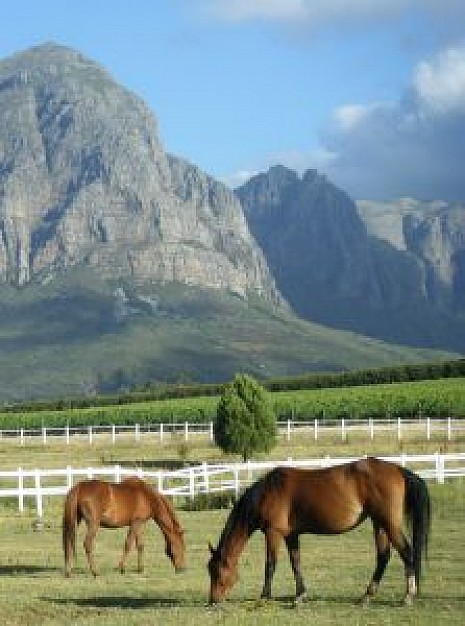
<point x="395" y="271"/>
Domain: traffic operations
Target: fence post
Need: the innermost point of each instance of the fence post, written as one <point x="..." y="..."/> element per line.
<point x="91" y="435"/>
<point x="191" y="483"/>
<point x="113" y="434"/>
<point x="44" y="435"/>
<point x="428" y="428"/>
<point x="137" y="432"/>
<point x="343" y="429"/>
<point x="160" y="481"/>
<point x="399" y="429"/>
<point x="20" y="490"/>
<point x="449" y="428"/>
<point x="440" y="468"/>
<point x="206" y="480"/>
<point x="212" y="434"/>
<point x="186" y="431"/>
<point x="161" y="432"/>
<point x="38" y="489"/>
<point x="69" y="477"/>
<point x="21" y="436"/>
<point x="67" y="434"/>
<point x="315" y="426"/>
<point x="237" y="482"/>
<point x="371" y="425"/>
<point x="117" y="473"/>
<point x="288" y="430"/>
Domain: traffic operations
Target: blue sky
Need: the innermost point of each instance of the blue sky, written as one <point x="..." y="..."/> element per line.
<point x="370" y="92"/>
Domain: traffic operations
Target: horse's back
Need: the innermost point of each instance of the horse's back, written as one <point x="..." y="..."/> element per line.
<point x="330" y="500"/>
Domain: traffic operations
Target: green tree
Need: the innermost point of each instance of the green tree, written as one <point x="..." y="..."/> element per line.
<point x="245" y="419"/>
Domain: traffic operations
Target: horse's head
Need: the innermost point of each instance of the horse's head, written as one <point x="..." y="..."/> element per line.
<point x="223" y="575"/>
<point x="176" y="549"/>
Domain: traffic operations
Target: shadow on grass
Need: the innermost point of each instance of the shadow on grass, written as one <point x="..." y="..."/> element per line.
<point x="26" y="570"/>
<point x="118" y="602"/>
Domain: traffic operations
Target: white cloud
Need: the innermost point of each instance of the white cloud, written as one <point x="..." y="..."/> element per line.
<point x="244" y="10"/>
<point x="348" y="116"/>
<point x="411" y="147"/>
<point x="236" y="179"/>
<point x="440" y="84"/>
<point x="312" y="14"/>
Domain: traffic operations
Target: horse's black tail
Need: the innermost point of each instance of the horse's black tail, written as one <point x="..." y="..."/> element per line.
<point x="418" y="511"/>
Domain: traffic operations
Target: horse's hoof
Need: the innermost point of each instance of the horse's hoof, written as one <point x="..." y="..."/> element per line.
<point x="300" y="598"/>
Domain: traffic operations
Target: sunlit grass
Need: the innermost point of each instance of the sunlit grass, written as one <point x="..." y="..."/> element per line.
<point x="34" y="591"/>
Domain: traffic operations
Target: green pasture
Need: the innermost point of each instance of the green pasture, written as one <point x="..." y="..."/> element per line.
<point x="443" y="397"/>
<point x="33" y="590"/>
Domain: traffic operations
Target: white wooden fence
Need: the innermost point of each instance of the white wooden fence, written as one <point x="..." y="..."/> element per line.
<point x="40" y="484"/>
<point x="447" y="427"/>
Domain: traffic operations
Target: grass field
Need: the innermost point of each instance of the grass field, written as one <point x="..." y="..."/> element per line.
<point x="33" y="590"/>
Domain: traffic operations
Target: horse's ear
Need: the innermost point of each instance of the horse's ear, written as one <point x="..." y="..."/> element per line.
<point x="211" y="548"/>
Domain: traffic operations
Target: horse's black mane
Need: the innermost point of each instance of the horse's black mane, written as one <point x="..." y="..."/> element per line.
<point x="246" y="511"/>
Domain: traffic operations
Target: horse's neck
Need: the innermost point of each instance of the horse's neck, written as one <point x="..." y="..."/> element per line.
<point x="163" y="515"/>
<point x="233" y="540"/>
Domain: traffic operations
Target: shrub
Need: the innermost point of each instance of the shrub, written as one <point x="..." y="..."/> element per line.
<point x="245" y="419"/>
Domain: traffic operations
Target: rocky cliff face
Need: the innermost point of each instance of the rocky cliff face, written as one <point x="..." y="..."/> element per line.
<point x="84" y="181"/>
<point x="434" y="233"/>
<point x="390" y="271"/>
<point x="313" y="238"/>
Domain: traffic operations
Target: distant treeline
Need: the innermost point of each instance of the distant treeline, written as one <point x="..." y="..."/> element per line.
<point x="321" y="380"/>
<point x="378" y="376"/>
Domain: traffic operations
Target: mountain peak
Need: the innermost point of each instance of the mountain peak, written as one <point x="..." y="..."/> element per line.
<point x="86" y="183"/>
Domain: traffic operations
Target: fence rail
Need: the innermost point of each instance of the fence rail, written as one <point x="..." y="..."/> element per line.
<point x="40" y="484"/>
<point x="428" y="427"/>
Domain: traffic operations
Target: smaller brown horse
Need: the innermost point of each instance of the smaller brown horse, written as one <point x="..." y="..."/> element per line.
<point x="288" y="502"/>
<point x="113" y="505"/>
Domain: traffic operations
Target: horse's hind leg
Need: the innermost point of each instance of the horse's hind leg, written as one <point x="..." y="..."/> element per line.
<point x="92" y="528"/>
<point x="383" y="554"/>
<point x="403" y="547"/>
<point x="292" y="543"/>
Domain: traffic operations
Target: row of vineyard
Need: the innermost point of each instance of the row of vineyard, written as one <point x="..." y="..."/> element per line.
<point x="313" y="380"/>
<point x="433" y="398"/>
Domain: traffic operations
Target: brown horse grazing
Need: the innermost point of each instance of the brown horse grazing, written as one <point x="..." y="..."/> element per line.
<point x="288" y="502"/>
<point x="113" y="505"/>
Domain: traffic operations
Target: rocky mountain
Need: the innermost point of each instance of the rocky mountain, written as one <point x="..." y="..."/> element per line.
<point x="434" y="233"/>
<point x="84" y="181"/>
<point x="122" y="264"/>
<point x="394" y="272"/>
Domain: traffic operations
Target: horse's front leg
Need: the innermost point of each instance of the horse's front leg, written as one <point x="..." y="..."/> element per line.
<point x="140" y="549"/>
<point x="272" y="540"/>
<point x="293" y="548"/>
<point x="92" y="528"/>
<point x="128" y="544"/>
